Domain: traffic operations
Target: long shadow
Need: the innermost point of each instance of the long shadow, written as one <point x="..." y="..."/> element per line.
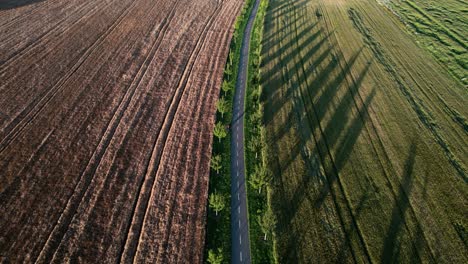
<point x="279" y="7"/>
<point x="286" y="22"/>
<point x="281" y="12"/>
<point x="287" y="57"/>
<point x="278" y="100"/>
<point x="273" y="81"/>
<point x="391" y="248"/>
<point x="346" y="245"/>
<point x="332" y="130"/>
<point x="316" y="111"/>
<point x="303" y="92"/>
<point x="332" y="88"/>
<point x="12" y="4"/>
<point x="286" y="47"/>
<point x="336" y="124"/>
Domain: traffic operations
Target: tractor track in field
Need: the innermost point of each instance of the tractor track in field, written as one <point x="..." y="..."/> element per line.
<point x="166" y="127"/>
<point x="29" y="113"/>
<point x="18" y="53"/>
<point x="113" y="125"/>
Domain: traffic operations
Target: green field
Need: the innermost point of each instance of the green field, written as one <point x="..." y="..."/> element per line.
<point x="367" y="135"/>
<point x="441" y="27"/>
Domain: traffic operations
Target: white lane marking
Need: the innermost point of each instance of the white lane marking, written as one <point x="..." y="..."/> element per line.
<point x="237" y="143"/>
<point x="237" y="184"/>
<point x="238" y="197"/>
<point x="239" y="223"/>
<point x="238" y="209"/>
<point x="240" y="239"/>
<point x="237" y="162"/>
<point x="241" y="256"/>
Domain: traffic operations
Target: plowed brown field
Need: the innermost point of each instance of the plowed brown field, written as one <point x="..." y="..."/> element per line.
<point x="106" y="113"/>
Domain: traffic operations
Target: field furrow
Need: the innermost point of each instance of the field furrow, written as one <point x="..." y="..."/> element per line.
<point x="89" y="112"/>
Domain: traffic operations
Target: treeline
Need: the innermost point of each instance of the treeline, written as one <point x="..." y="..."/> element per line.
<point x="218" y="225"/>
<point x="262" y="220"/>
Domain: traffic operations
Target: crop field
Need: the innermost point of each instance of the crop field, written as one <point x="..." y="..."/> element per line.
<point x="441" y="27"/>
<point x="106" y="117"/>
<point x="367" y="136"/>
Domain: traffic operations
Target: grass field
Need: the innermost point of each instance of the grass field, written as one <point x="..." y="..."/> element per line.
<point x="367" y="135"/>
<point x="441" y="27"/>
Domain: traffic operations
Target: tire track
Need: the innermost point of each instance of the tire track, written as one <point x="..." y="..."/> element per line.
<point x="71" y="207"/>
<point x="18" y="54"/>
<point x="194" y="143"/>
<point x="193" y="214"/>
<point x="152" y="169"/>
<point x="34" y="109"/>
<point x="177" y="185"/>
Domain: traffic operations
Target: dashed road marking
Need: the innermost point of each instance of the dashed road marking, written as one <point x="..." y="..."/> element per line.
<point x="240" y="239"/>
<point x="241" y="256"/>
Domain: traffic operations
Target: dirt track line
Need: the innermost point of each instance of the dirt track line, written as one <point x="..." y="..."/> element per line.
<point x="182" y="84"/>
<point x="186" y="236"/>
<point x="191" y="140"/>
<point x="105" y="140"/>
<point x="42" y="102"/>
<point x="194" y="213"/>
<point x="152" y="169"/>
<point x="115" y="121"/>
<point x="18" y="54"/>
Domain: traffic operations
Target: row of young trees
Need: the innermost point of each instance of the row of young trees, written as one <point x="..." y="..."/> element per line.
<point x="217" y="201"/>
<point x="260" y="176"/>
<point x="263" y="220"/>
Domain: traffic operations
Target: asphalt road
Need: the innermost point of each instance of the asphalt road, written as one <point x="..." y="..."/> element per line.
<point x="239" y="215"/>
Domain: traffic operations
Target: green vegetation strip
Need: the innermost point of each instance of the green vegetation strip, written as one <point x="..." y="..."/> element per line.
<point x="218" y="225"/>
<point x="261" y="217"/>
<point x="423" y="114"/>
<point x="437" y="26"/>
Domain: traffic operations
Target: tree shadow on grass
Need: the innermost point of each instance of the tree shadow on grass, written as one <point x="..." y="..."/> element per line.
<point x="307" y="75"/>
<point x="322" y="89"/>
<point x="391" y="248"/>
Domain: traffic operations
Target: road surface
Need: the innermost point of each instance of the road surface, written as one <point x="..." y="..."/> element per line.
<point x="239" y="214"/>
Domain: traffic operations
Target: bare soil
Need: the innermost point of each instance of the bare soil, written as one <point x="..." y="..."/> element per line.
<point x="106" y="117"/>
